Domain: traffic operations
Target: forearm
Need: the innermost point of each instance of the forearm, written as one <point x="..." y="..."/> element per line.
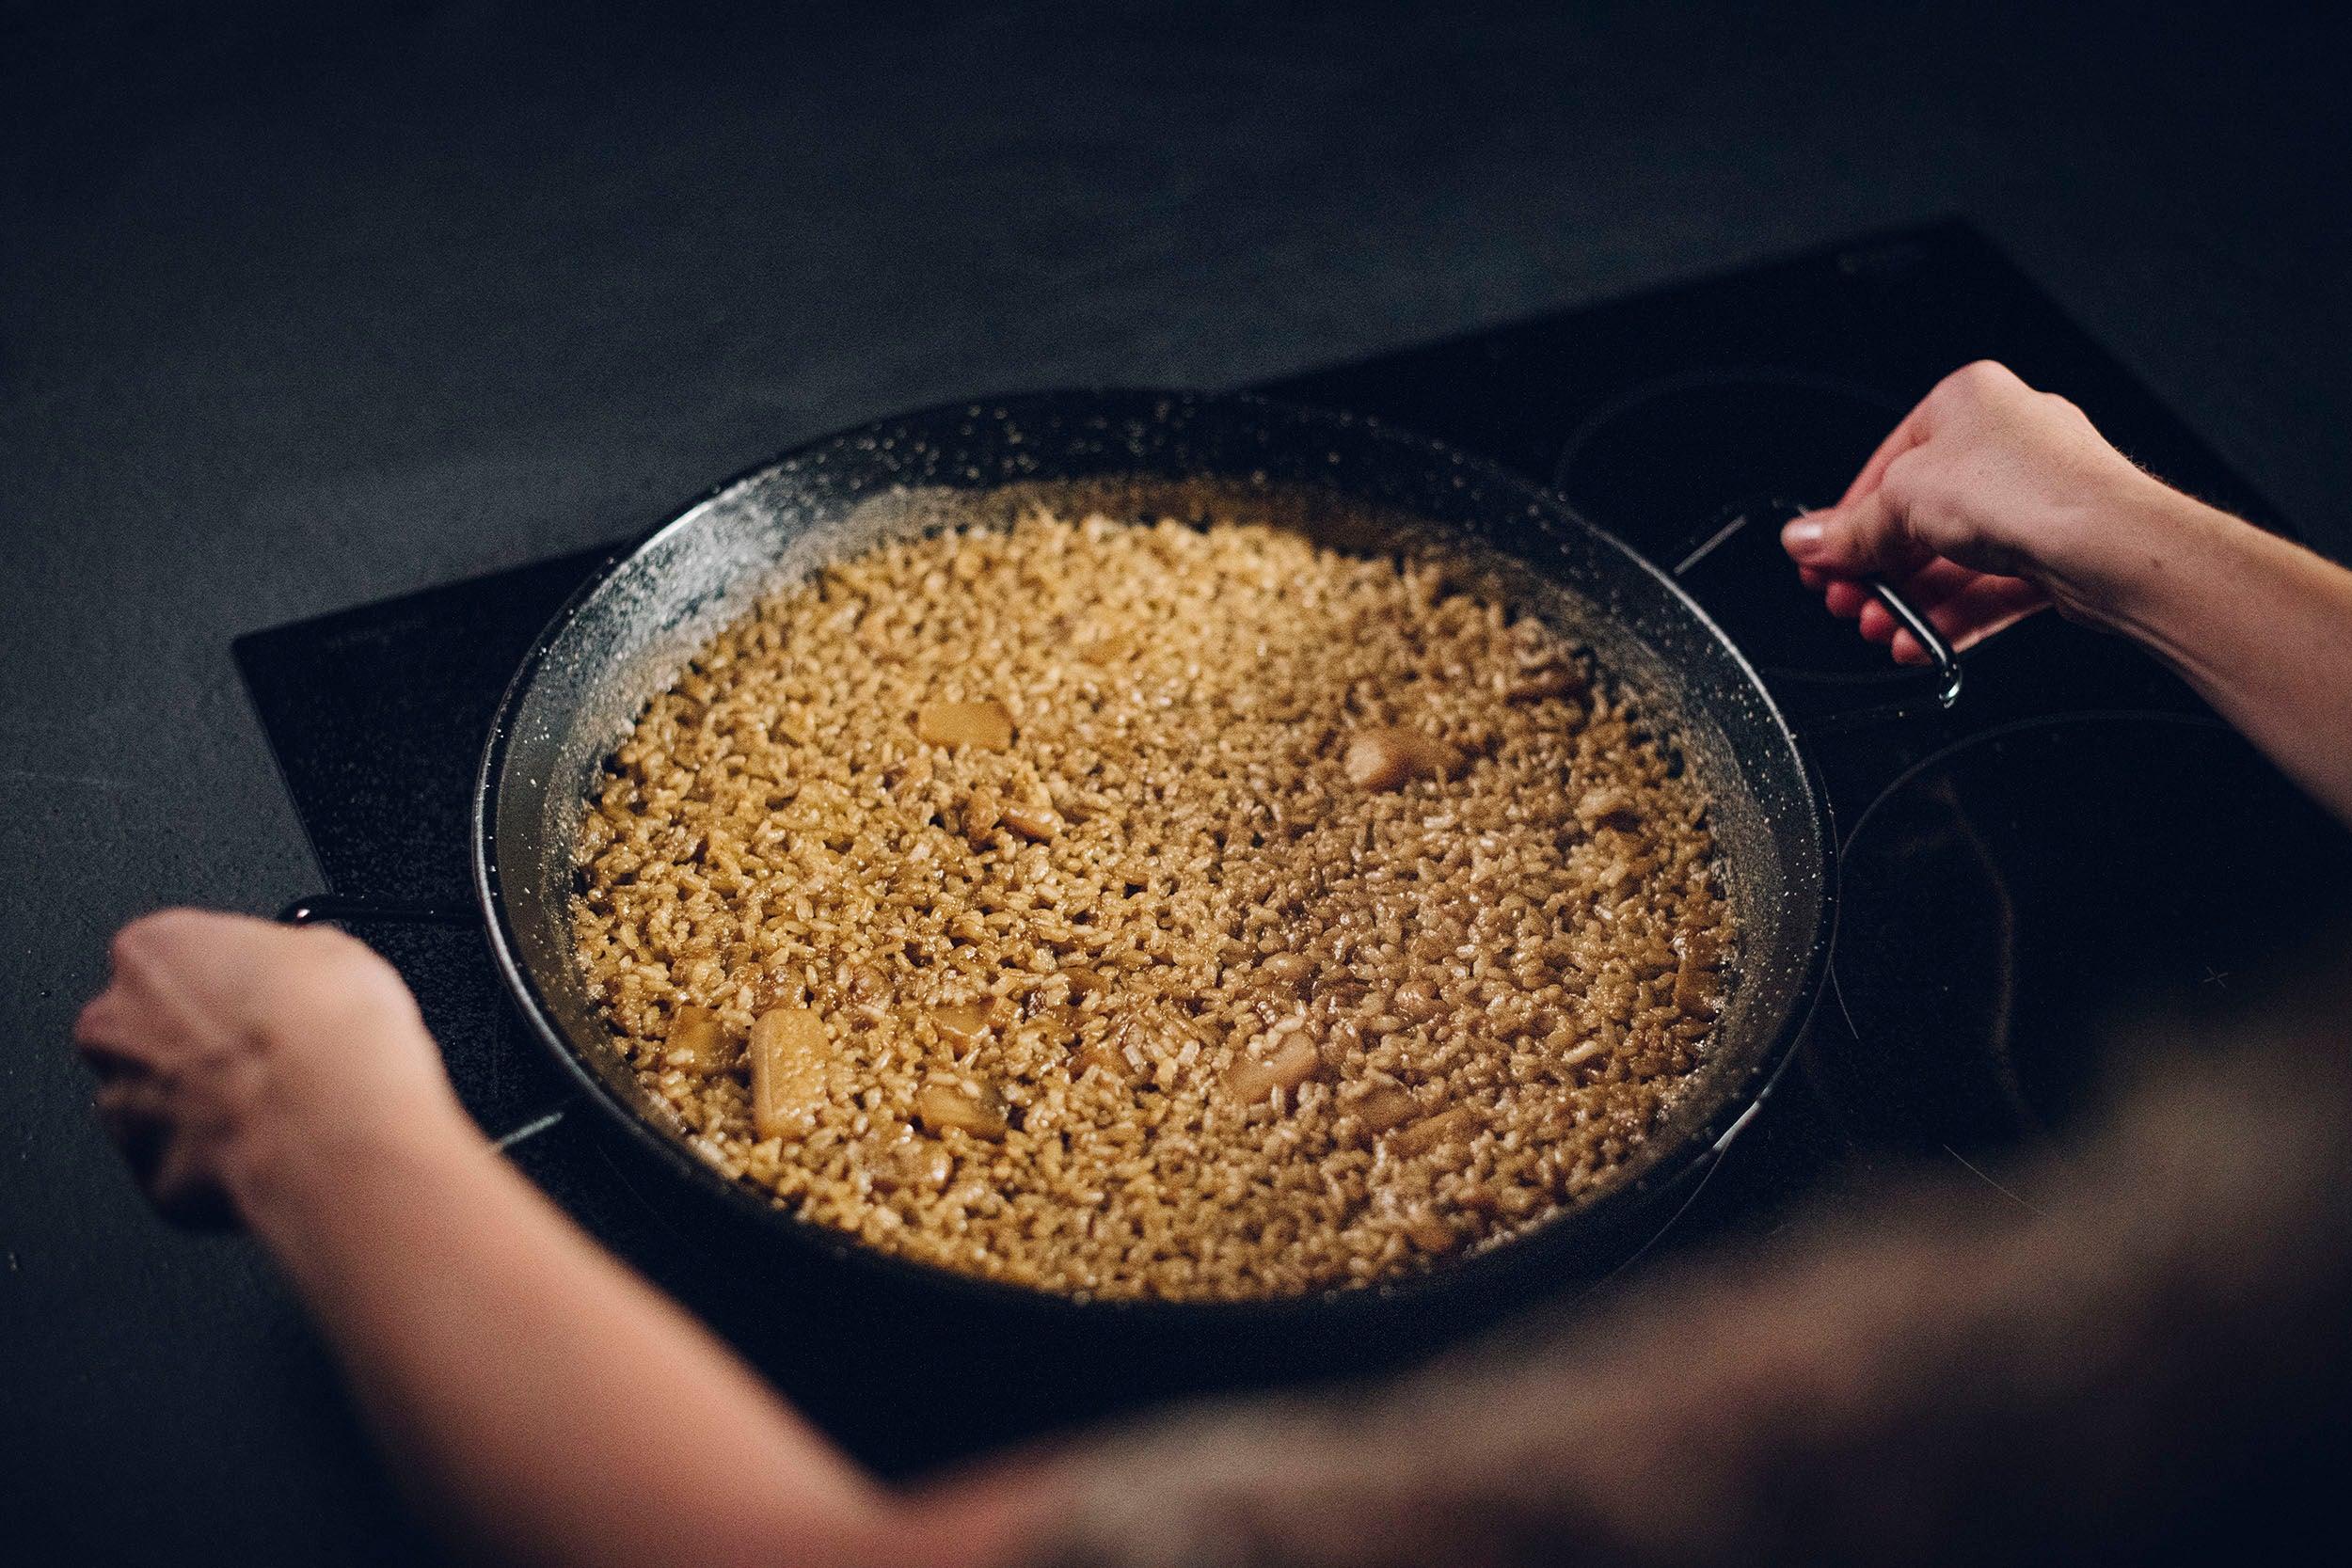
<point x="536" y="1391"/>
<point x="548" y="1402"/>
<point x="2260" y="627"/>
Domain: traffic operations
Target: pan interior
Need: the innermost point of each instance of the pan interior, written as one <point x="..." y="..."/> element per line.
<point x="1344" y="483"/>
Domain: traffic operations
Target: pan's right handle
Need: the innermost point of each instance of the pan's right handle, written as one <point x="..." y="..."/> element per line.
<point x="1944" y="689"/>
<point x="1940" y="654"/>
<point x="1773" y="514"/>
<point x="325" y="907"/>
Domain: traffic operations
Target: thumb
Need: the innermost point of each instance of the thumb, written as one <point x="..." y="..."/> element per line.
<point x="1864" y="537"/>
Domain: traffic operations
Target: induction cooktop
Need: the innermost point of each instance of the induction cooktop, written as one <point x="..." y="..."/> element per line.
<point x="2066" y="844"/>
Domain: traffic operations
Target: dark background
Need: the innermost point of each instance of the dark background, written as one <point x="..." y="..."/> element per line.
<point x="300" y="308"/>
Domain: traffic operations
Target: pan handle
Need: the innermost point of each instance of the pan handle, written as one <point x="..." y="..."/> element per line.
<point x="322" y="907"/>
<point x="1940" y="654"/>
<point x="1947" y="673"/>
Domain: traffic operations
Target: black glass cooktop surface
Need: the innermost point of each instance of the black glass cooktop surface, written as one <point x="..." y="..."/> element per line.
<point x="2052" y="893"/>
<point x="1662" y="417"/>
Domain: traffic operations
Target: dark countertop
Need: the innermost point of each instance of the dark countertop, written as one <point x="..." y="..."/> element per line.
<point x="296" y="313"/>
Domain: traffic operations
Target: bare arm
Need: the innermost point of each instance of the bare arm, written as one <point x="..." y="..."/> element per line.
<point x="2260" y="627"/>
<point x="538" y="1394"/>
<point x="1992" y="501"/>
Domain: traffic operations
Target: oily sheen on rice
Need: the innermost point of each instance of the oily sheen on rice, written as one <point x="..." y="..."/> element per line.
<point x="1149" y="910"/>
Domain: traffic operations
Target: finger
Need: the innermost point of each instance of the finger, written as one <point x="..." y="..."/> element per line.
<point x="132" y="1096"/>
<point x="1846" y="598"/>
<point x="1813" y="578"/>
<point x="98" y="1018"/>
<point x="1931" y="592"/>
<point x="1869" y="537"/>
<point x="1877" y="624"/>
<point x="1936" y="581"/>
<point x="103" y="1035"/>
<point x="1931" y="584"/>
<point x="1964" y="612"/>
<point x="137" y="945"/>
<point x="1965" y="618"/>
<point x="183" y="969"/>
<point x="1934" y="584"/>
<point x="160" y="943"/>
<point x="135" y="1111"/>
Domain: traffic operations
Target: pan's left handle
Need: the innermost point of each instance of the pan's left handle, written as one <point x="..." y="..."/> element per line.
<point x="322" y="908"/>
<point x="325" y="907"/>
<point x="1947" y="674"/>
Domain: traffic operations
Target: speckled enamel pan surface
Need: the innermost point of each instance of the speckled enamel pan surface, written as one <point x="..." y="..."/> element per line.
<point x="1347" y="480"/>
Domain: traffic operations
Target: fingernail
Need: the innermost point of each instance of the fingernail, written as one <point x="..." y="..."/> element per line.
<point x="1801" y="535"/>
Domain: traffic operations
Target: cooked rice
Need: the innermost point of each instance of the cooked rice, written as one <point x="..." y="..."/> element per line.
<point x="1316" y="919"/>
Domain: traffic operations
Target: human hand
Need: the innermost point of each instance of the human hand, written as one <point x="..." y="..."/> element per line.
<point x="1989" y="501"/>
<point x="226" y="1047"/>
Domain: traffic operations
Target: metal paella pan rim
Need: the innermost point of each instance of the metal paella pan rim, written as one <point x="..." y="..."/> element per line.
<point x="663" y="595"/>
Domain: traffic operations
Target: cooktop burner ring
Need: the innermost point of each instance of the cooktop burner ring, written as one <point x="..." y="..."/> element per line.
<point x="1587" y="430"/>
<point x="1675" y="467"/>
<point x="2010" y="898"/>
